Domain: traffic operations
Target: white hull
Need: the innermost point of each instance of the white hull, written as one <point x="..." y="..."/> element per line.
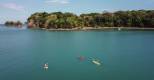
<point x="96" y="62"/>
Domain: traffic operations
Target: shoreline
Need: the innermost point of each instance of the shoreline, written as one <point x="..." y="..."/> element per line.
<point x="100" y="28"/>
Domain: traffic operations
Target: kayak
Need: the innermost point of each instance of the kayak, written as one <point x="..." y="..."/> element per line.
<point x="96" y="62"/>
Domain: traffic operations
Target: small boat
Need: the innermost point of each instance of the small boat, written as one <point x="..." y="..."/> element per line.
<point x="46" y="66"/>
<point x="97" y="62"/>
<point x="119" y="29"/>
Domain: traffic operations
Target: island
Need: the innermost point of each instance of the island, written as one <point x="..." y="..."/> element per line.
<point x="17" y="24"/>
<point x="137" y="19"/>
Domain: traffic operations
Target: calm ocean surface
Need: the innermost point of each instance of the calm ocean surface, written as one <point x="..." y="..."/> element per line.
<point x="125" y="55"/>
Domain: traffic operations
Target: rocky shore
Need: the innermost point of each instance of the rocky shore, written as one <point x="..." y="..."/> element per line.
<point x="99" y="28"/>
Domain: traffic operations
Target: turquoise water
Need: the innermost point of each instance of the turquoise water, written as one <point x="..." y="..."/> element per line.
<point x="125" y="55"/>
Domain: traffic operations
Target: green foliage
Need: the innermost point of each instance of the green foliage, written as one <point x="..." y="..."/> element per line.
<point x="13" y="23"/>
<point x="138" y="18"/>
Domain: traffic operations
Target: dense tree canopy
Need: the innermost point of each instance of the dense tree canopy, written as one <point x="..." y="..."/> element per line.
<point x="134" y="18"/>
<point x="13" y="23"/>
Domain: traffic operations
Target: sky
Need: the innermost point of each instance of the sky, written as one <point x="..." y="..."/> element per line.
<point x="22" y="9"/>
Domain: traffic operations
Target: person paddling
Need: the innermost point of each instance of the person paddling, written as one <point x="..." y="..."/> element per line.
<point x="46" y="66"/>
<point x="81" y="58"/>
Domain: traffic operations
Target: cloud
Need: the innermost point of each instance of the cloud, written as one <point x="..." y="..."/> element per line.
<point x="57" y="2"/>
<point x="12" y="6"/>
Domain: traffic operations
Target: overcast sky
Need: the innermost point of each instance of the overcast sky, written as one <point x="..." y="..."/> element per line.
<point x="22" y="9"/>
